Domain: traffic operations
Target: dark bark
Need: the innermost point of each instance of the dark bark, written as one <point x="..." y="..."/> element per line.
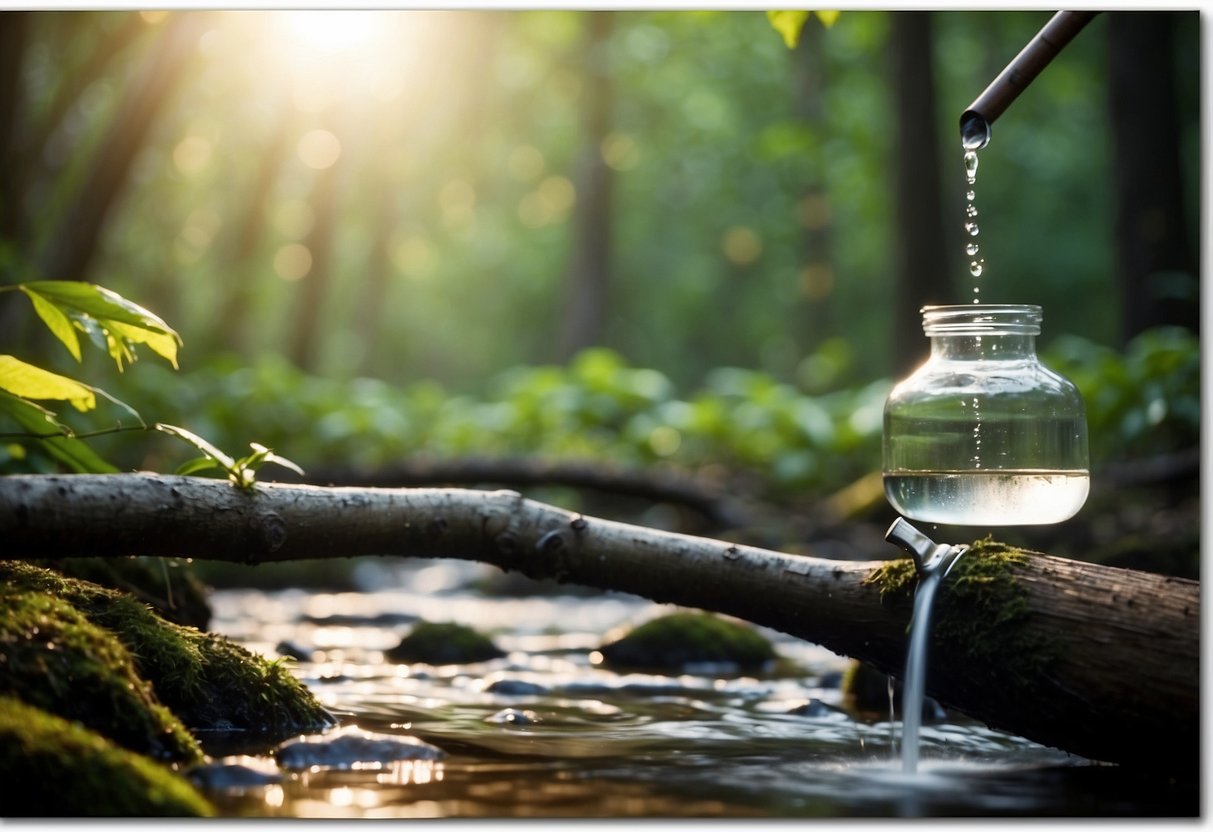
<point x="71" y="249"/>
<point x="14" y="27"/>
<point x="1099" y="661"/>
<point x="922" y="261"/>
<point x="1156" y="262"/>
<point x="588" y="282"/>
<point x="816" y="270"/>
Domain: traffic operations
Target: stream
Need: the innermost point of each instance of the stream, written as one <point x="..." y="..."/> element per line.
<point x="545" y="732"/>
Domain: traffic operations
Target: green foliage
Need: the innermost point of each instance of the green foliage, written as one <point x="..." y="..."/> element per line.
<point x="69" y="308"/>
<point x="1145" y="401"/>
<point x="54" y="767"/>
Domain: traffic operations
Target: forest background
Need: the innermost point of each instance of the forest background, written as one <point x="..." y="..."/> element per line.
<point x="660" y="239"/>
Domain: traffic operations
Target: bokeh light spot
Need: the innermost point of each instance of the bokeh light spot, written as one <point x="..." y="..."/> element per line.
<point x="319" y="149"/>
<point x="741" y="245"/>
<point x="292" y="262"/>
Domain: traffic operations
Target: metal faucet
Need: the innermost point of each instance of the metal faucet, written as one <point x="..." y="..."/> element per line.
<point x="976" y="120"/>
<point x="929" y="557"/>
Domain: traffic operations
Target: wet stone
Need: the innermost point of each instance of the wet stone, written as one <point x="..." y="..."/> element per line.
<point x="816" y="709"/>
<point x="443" y="643"/>
<point x="220" y="775"/>
<point x="293" y="650"/>
<point x="516" y="687"/>
<point x="513" y="716"/>
<point x="352" y="748"/>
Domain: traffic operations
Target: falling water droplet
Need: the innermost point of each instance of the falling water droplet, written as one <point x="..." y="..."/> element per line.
<point x="977" y="267"/>
<point x="972" y="248"/>
<point x="971" y="227"/>
<point x="971" y="211"/>
<point x="971" y="164"/>
<point x="971" y="195"/>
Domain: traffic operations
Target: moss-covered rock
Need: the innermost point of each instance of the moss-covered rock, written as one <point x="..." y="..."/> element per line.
<point x="443" y="643"/>
<point x="51" y="767"/>
<point x="53" y="657"/>
<point x="674" y="641"/>
<point x="208" y="681"/>
<point x="167" y="585"/>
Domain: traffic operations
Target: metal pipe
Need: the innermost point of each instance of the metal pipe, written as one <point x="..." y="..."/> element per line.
<point x="928" y="555"/>
<point x="976" y="120"/>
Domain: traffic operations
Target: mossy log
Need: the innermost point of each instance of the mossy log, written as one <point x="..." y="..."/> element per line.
<point x="1098" y="661"/>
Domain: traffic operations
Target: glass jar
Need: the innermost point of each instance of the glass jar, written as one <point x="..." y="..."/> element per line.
<point x="983" y="434"/>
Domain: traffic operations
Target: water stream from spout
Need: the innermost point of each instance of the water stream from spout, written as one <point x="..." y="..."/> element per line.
<point x="932" y="561"/>
<point x="913" y="689"/>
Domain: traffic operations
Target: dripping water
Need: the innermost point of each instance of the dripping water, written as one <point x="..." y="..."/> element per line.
<point x="974" y="135"/>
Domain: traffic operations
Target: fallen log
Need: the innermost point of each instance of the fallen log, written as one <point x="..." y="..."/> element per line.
<point x="1098" y="661"/>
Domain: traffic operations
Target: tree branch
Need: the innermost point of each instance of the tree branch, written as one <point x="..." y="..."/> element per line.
<point x="1103" y="662"/>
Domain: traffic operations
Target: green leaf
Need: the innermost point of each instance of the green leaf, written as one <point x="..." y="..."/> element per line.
<point x="193" y="466"/>
<point x="73" y="453"/>
<point x="223" y="460"/>
<point x="92" y="308"/>
<point x="56" y="321"/>
<point x="789" y="24"/>
<point x="828" y="18"/>
<point x="30" y="382"/>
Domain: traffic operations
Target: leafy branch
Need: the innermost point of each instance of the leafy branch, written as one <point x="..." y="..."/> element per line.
<point x="116" y="325"/>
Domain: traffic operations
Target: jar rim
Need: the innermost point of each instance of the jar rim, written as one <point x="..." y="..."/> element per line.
<point x="982" y="319"/>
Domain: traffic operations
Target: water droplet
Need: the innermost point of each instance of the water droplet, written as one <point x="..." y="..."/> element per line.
<point x="977" y="267"/>
<point x="971" y="211"/>
<point x="971" y="227"/>
<point x="971" y="195"/>
<point x="971" y="165"/>
<point x="972" y="248"/>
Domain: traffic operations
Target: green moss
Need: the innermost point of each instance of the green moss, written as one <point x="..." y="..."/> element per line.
<point x="206" y="680"/>
<point x="53" y="657"/>
<point x="167" y="585"/>
<point x="51" y="767"/>
<point x="433" y="643"/>
<point x="681" y="638"/>
<point x="981" y="611"/>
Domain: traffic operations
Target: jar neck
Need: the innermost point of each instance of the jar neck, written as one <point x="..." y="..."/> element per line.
<point x="1000" y="347"/>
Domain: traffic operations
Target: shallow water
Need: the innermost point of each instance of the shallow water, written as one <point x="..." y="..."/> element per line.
<point x="546" y="732"/>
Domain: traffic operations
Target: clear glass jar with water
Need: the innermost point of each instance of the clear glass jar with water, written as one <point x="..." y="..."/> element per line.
<point x="983" y="434"/>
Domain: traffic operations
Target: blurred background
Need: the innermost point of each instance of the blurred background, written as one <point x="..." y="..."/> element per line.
<point x="661" y="241"/>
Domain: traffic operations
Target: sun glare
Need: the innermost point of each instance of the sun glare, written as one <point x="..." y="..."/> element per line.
<point x="332" y="31"/>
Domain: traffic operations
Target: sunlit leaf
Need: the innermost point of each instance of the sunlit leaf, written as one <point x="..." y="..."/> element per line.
<point x="789" y="24"/>
<point x="30" y="382"/>
<point x="828" y="18"/>
<point x="110" y="319"/>
<point x="227" y="463"/>
<point x="161" y="343"/>
<point x="65" y="448"/>
<point x="56" y="321"/>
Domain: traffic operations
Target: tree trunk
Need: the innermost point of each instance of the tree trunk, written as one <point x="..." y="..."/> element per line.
<point x="923" y="275"/>
<point x="588" y="281"/>
<point x="1099" y="661"/>
<point x="1157" y="263"/>
<point x="72" y="248"/>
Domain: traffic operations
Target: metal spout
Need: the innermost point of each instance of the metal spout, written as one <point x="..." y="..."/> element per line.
<point x="976" y="120"/>
<point x="929" y="556"/>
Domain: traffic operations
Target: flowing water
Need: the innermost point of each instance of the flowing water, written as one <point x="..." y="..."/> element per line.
<point x="548" y="732"/>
